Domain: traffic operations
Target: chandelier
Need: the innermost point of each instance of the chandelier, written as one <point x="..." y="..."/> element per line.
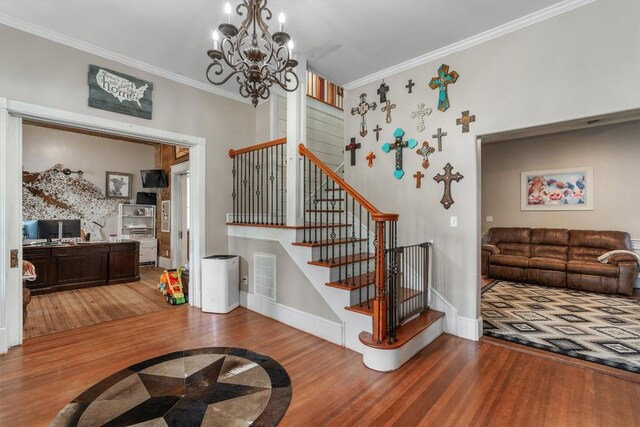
<point x="256" y="58"/>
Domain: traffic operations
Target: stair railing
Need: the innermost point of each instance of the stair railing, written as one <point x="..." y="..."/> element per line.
<point x="340" y="217"/>
<point x="259" y="184"/>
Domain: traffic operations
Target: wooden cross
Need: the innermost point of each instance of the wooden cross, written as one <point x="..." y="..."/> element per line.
<point x="442" y="80"/>
<point x="362" y="109"/>
<point x="418" y="176"/>
<point x="425" y="151"/>
<point x="398" y="145"/>
<point x="382" y="91"/>
<point x="410" y="86"/>
<point x="447" y="200"/>
<point x="377" y="131"/>
<point x="370" y="158"/>
<point x="353" y="147"/>
<point x="420" y="115"/>
<point x="465" y="120"/>
<point x="439" y="136"/>
<point x="387" y="108"/>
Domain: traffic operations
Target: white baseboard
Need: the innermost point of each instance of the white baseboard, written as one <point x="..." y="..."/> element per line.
<point x="4" y="346"/>
<point x="469" y="328"/>
<point x="309" y="323"/>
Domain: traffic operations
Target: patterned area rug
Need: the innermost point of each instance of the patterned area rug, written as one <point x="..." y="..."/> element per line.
<point x="589" y="326"/>
<point x="204" y="387"/>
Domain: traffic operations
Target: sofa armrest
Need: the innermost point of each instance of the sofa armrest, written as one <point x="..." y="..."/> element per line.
<point x="622" y="258"/>
<point x="493" y="250"/>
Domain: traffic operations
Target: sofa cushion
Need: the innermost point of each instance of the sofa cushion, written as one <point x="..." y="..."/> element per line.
<point x="550" y="236"/>
<point x="557" y="279"/>
<point x="606" y="240"/>
<point x="581" y="253"/>
<point x="550" y="251"/>
<point x="497" y="235"/>
<point x="509" y="260"/>
<point x="517" y="249"/>
<point x="585" y="282"/>
<point x="547" y="264"/>
<point x="592" y="268"/>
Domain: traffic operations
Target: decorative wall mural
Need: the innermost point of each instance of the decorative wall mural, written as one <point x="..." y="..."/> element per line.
<point x="441" y="82"/>
<point x="52" y="195"/>
<point x="387" y="109"/>
<point x="362" y="109"/>
<point x="419" y="114"/>
<point x="557" y="189"/>
<point x="465" y="120"/>
<point x="398" y="145"/>
<point x="113" y="91"/>
<point x="425" y="151"/>
<point x="447" y="178"/>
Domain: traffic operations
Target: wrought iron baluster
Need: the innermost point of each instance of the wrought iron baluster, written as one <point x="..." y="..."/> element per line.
<point x="233" y="194"/>
<point x="315" y="203"/>
<point x="283" y="172"/>
<point x="245" y="183"/>
<point x="368" y="251"/>
<point x="360" y="241"/>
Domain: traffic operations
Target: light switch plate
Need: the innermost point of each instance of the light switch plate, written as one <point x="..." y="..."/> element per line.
<point x="453" y="221"/>
<point x="489" y="219"/>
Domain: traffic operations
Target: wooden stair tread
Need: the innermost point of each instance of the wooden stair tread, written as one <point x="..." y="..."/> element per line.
<point x="344" y="260"/>
<point x="327" y="242"/>
<point x="356" y="283"/>
<point x="290" y="227"/>
<point x="406" y="332"/>
<point x="367" y="306"/>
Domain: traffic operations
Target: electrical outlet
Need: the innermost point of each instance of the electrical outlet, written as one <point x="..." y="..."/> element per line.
<point x="245" y="280"/>
<point x="453" y="221"/>
<point x="489" y="219"/>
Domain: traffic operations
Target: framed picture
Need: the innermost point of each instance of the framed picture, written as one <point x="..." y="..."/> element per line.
<point x="165" y="223"/>
<point x="180" y="152"/>
<point x="118" y="185"/>
<point x="557" y="189"/>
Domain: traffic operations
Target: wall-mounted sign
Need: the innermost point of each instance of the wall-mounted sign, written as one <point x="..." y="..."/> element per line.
<point x="121" y="93"/>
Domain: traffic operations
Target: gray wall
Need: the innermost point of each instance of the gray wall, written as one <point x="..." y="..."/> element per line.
<point x="45" y="73"/>
<point x="613" y="152"/>
<point x="553" y="71"/>
<point x="293" y="289"/>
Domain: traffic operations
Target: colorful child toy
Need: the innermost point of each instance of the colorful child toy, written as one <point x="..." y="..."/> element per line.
<point x="171" y="286"/>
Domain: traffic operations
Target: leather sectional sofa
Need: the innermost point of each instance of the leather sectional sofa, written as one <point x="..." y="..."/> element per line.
<point x="560" y="258"/>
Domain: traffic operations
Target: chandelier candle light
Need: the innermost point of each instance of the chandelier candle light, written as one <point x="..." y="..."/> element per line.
<point x="257" y="58"/>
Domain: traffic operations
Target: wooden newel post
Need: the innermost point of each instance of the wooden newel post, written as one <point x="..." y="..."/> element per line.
<point x="380" y="302"/>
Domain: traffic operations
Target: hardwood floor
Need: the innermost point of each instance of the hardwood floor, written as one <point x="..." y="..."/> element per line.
<point x="60" y="311"/>
<point x="452" y="382"/>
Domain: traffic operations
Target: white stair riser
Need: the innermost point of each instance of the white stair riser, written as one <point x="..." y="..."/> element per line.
<point x="351" y="270"/>
<point x="335" y="251"/>
<point x="356" y="295"/>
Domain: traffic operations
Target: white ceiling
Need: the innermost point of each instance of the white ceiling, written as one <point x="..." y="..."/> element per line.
<point x="344" y="40"/>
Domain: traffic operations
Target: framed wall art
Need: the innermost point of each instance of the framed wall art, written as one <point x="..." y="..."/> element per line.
<point x="179" y="152"/>
<point x="557" y="189"/>
<point x="118" y="185"/>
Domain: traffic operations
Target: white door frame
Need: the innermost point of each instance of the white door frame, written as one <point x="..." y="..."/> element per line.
<point x="11" y="115"/>
<point x="176" y="171"/>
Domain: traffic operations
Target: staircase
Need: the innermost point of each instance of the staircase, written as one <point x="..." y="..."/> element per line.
<point x="351" y="251"/>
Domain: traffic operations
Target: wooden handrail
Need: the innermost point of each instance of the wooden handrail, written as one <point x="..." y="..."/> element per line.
<point x="376" y="215"/>
<point x="233" y="153"/>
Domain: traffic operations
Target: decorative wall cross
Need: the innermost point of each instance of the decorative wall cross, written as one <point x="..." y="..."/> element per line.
<point x="362" y="110"/>
<point x="443" y="79"/>
<point x="420" y="115"/>
<point x="382" y="91"/>
<point x="353" y="147"/>
<point x="387" y="108"/>
<point x="425" y="151"/>
<point x="370" y="158"/>
<point x="465" y="120"/>
<point x="447" y="200"/>
<point x="398" y="145"/>
<point x="439" y="136"/>
<point x="377" y="131"/>
<point x="410" y="86"/>
<point x="418" y="176"/>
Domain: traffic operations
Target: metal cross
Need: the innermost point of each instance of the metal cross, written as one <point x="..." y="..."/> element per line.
<point x="420" y="115"/>
<point x="442" y="80"/>
<point x="447" y="200"/>
<point x="398" y="145"/>
<point x="439" y="136"/>
<point x="465" y="120"/>
<point x="382" y="91"/>
<point x="353" y="147"/>
<point x="425" y="151"/>
<point x="387" y="108"/>
<point x="377" y="131"/>
<point x="362" y="110"/>
<point x="370" y="158"/>
<point x="410" y="86"/>
<point x="418" y="176"/>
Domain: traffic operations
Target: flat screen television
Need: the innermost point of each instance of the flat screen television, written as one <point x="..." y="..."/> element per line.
<point x="30" y="229"/>
<point x="50" y="229"/>
<point x="154" y="178"/>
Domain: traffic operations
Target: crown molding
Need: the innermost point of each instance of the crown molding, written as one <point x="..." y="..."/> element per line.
<point x="39" y="31"/>
<point x="509" y="27"/>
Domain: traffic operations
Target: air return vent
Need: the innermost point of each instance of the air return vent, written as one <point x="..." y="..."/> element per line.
<point x="264" y="273"/>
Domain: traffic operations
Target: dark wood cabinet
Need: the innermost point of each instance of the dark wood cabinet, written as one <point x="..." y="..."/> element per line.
<point x="79" y="266"/>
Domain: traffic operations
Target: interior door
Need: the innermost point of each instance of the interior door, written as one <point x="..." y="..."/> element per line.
<point x="183" y="233"/>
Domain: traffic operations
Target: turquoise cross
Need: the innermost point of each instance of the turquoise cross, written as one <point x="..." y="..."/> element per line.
<point x="443" y="79"/>
<point x="398" y="145"/>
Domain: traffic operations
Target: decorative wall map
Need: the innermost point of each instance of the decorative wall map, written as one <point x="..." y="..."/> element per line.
<point x="52" y="195"/>
<point x="113" y="91"/>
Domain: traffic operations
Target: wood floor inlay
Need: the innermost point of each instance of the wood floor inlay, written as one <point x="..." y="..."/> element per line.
<point x="60" y="311"/>
<point x="453" y="382"/>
